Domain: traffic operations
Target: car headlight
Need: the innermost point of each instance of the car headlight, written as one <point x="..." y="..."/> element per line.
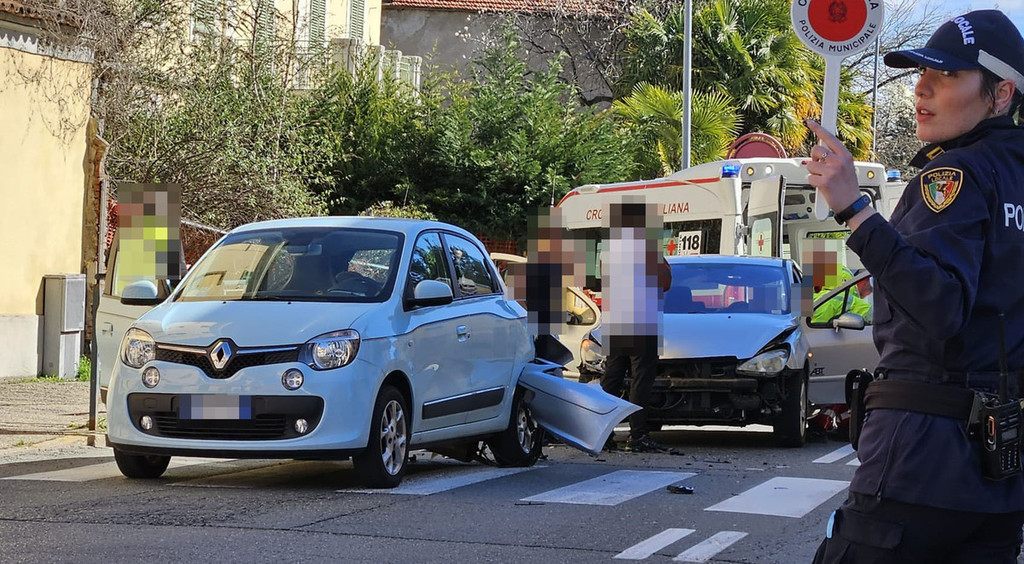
<point x="590" y="354"/>
<point x="771" y="362"/>
<point x="137" y="348"/>
<point x="332" y="350"/>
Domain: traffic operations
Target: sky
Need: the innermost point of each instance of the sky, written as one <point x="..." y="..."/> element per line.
<point x="1012" y="8"/>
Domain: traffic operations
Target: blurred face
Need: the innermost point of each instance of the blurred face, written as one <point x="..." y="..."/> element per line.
<point x="949" y="104"/>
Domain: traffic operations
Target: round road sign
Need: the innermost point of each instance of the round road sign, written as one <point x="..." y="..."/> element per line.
<point x="837" y="28"/>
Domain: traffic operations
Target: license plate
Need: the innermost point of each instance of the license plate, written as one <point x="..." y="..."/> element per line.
<point x="206" y="406"/>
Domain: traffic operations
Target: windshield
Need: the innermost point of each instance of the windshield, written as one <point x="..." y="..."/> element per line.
<point x="297" y="264"/>
<point x="727" y="288"/>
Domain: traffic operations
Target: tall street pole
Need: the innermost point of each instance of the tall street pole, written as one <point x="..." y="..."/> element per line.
<point x="687" y="52"/>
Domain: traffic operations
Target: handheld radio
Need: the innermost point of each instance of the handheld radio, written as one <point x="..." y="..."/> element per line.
<point x="999" y="422"/>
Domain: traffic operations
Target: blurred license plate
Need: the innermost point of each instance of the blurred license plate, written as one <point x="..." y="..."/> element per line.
<point x="206" y="406"/>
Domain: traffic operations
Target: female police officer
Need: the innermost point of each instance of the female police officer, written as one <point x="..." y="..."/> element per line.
<point x="948" y="262"/>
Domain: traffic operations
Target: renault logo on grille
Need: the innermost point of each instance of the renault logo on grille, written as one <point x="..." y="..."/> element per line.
<point x="221" y="354"/>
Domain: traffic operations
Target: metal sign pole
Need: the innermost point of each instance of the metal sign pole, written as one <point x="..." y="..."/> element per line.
<point x="94" y="365"/>
<point x="874" y="100"/>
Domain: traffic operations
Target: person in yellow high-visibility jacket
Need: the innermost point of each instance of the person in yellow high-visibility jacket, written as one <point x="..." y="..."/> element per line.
<point x="852" y="302"/>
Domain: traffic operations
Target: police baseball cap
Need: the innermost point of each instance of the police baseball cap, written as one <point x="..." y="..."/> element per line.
<point x="983" y="39"/>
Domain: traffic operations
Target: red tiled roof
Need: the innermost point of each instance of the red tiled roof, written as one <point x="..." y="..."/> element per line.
<point x="34" y="12"/>
<point x="571" y="7"/>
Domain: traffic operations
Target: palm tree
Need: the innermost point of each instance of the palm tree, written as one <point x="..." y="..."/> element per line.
<point x="656" y="112"/>
<point x="748" y="50"/>
<point x="745" y="50"/>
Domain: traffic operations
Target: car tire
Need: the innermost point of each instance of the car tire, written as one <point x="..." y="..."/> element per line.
<point x="141" y="466"/>
<point x="791" y="425"/>
<point x="521" y="442"/>
<point x="383" y="462"/>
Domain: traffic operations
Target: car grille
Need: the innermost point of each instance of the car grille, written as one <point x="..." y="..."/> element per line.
<point x="719" y="367"/>
<point x="242" y="358"/>
<point x="273" y="418"/>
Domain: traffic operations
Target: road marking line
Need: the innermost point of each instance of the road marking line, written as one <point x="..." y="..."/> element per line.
<point x="647" y="548"/>
<point x="100" y="471"/>
<point x="444" y="480"/>
<point x="784" y="497"/>
<point x="854" y="462"/>
<point x="611" y="489"/>
<point x="707" y="549"/>
<point x="835" y="455"/>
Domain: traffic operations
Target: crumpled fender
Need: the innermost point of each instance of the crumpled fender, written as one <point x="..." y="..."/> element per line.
<point x="582" y="416"/>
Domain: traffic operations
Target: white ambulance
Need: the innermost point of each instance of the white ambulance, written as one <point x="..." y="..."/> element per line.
<point x="750" y="206"/>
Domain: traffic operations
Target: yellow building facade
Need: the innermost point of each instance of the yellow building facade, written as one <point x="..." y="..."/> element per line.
<point x="44" y="112"/>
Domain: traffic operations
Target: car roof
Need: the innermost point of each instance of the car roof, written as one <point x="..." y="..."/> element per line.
<point x="726" y="259"/>
<point x="409" y="227"/>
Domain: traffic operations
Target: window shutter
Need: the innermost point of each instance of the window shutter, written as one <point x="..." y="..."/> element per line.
<point x="203" y="12"/>
<point x="317" y="22"/>
<point x="265" y="19"/>
<point x="356" y="18"/>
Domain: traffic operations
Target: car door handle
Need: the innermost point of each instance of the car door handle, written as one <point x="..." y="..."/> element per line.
<point x="107" y="328"/>
<point x="462" y="332"/>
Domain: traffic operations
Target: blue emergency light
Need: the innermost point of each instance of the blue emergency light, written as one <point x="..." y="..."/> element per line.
<point x="730" y="170"/>
<point x="893" y="176"/>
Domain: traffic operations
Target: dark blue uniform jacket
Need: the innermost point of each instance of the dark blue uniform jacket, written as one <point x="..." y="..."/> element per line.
<point x="948" y="261"/>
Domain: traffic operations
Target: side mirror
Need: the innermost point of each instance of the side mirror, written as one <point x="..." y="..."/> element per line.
<point x="585" y="317"/>
<point x="431" y="293"/>
<point x="848" y="320"/>
<point x="143" y="293"/>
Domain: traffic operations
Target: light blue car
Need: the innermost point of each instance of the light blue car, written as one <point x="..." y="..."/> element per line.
<point x="336" y="337"/>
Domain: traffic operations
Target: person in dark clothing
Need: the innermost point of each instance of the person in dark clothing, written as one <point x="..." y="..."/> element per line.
<point x="946" y="265"/>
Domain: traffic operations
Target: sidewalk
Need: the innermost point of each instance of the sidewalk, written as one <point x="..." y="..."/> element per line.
<point x="41" y="419"/>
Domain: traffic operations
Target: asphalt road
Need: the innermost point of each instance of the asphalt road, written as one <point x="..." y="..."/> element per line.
<point x="751" y="502"/>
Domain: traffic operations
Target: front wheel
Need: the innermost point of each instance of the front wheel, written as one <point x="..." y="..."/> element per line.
<point x="382" y="464"/>
<point x="521" y="442"/>
<point x="791" y="425"/>
<point x="146" y="467"/>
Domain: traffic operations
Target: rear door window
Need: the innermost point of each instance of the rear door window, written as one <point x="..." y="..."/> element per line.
<point x="472" y="275"/>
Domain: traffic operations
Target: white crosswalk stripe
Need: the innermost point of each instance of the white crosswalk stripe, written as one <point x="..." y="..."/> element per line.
<point x="611" y="489"/>
<point x="783" y="497"/>
<point x="707" y="549"/>
<point x="647" y="548"/>
<point x="444" y="480"/>
<point x="838" y="454"/>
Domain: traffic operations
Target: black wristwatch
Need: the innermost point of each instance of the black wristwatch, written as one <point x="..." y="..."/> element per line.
<point x="860" y="203"/>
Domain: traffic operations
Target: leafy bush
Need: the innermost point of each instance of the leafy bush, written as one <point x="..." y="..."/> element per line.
<point x="480" y="153"/>
<point x="84" y="369"/>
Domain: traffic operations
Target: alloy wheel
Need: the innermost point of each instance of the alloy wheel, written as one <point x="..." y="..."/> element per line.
<point x="393" y="438"/>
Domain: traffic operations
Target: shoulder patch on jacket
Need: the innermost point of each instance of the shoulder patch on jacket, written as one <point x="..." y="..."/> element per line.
<point x="940" y="186"/>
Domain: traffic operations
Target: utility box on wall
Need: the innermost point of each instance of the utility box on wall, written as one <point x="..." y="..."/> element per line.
<point x="63" y="323"/>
